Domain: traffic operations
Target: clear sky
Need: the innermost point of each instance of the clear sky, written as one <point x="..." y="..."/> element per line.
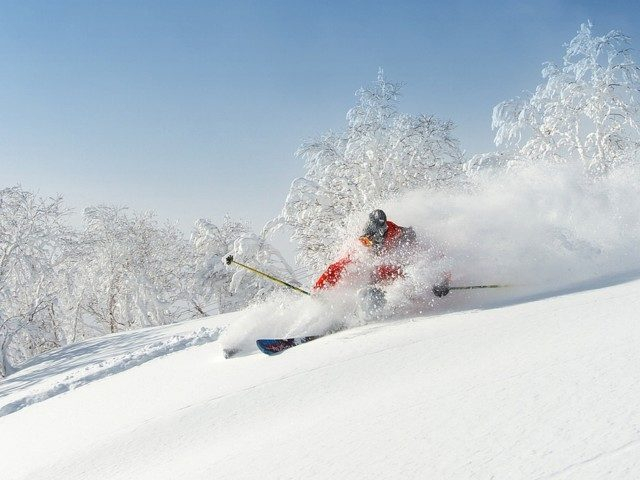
<point x="195" y="108"/>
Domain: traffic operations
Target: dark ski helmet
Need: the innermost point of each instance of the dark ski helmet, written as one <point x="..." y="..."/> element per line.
<point x="376" y="227"/>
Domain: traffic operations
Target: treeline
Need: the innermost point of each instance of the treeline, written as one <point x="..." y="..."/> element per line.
<point x="120" y="271"/>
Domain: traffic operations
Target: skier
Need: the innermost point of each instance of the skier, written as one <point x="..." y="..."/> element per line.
<point x="391" y="244"/>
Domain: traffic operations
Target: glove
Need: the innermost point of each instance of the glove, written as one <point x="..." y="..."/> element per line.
<point x="440" y="290"/>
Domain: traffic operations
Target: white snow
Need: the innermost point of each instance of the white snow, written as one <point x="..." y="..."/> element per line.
<point x="82" y="363"/>
<point x="547" y="388"/>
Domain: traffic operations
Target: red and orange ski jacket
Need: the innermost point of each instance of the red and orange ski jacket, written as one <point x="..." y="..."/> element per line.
<point x="394" y="237"/>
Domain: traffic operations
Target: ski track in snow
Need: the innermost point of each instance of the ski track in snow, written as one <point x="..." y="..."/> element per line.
<point x="596" y="458"/>
<point x="113" y="365"/>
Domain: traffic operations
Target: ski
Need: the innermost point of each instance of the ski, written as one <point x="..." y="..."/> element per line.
<point x="273" y="346"/>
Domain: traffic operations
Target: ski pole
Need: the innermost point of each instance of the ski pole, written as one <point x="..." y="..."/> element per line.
<point x="473" y="287"/>
<point x="229" y="260"/>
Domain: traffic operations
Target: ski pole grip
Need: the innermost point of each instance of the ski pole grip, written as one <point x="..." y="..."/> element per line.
<point x="229" y="260"/>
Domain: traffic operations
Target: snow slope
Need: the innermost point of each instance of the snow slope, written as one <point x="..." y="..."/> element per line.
<point x="548" y="388"/>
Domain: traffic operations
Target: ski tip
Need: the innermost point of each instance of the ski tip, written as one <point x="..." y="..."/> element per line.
<point x="274" y="346"/>
<point x="271" y="346"/>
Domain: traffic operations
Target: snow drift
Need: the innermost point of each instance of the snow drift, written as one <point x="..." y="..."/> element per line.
<point x="538" y="227"/>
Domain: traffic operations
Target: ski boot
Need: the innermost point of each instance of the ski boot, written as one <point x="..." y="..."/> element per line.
<point x="371" y="301"/>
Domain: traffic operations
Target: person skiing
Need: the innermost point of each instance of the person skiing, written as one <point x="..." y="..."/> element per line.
<point x="390" y="243"/>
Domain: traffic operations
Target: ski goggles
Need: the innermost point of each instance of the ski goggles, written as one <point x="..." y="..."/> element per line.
<point x="366" y="241"/>
<point x="371" y="240"/>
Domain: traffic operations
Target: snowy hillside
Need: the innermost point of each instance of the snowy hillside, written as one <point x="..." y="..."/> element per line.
<point x="547" y="388"/>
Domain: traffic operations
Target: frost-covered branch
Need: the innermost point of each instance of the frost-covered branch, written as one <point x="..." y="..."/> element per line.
<point x="586" y="111"/>
<point x="381" y="154"/>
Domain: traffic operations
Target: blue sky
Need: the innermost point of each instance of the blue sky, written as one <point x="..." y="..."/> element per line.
<point x="194" y="109"/>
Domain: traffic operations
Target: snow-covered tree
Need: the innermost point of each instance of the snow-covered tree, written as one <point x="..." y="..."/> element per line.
<point x="123" y="271"/>
<point x="587" y="110"/>
<point x="33" y="242"/>
<point x="220" y="288"/>
<point x="381" y="154"/>
<point x="132" y="271"/>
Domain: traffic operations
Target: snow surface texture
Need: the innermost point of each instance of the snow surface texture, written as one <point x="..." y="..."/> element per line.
<point x="82" y="363"/>
<point x="537" y="390"/>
